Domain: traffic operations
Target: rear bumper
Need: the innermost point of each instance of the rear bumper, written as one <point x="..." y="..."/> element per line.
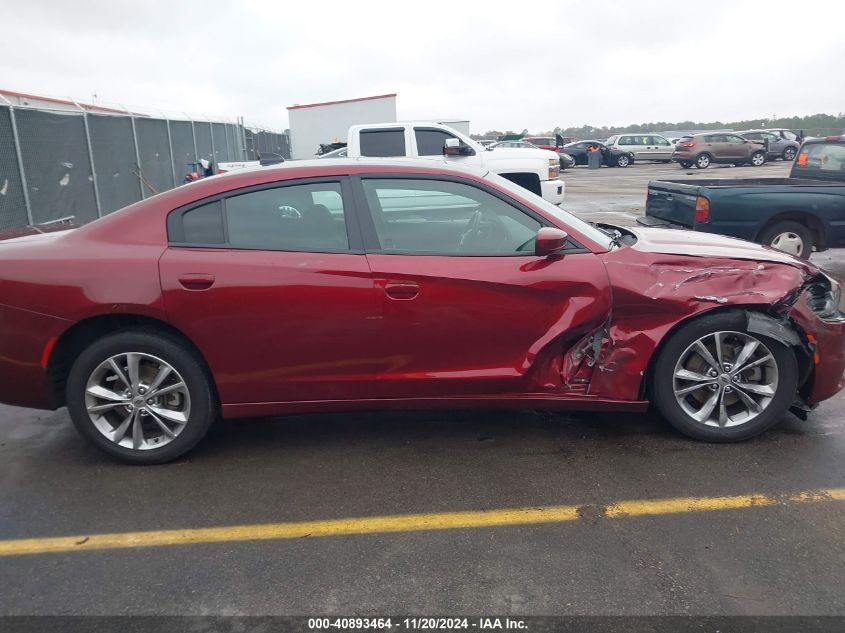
<point x="553" y="190"/>
<point x="682" y="157"/>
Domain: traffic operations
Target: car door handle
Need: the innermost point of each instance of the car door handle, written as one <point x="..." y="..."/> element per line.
<point x="196" y="281"/>
<point x="401" y="290"/>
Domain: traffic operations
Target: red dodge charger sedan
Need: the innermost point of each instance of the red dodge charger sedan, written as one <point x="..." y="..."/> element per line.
<point x="340" y="285"/>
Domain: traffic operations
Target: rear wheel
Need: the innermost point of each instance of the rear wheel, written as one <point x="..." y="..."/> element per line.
<point x="702" y="161"/>
<point x="141" y="397"/>
<point x="686" y="165"/>
<point x="789" y="154"/>
<point x="717" y="382"/>
<point x="758" y="159"/>
<point x="790" y="237"/>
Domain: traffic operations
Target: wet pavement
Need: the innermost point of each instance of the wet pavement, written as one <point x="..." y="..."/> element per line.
<point x="778" y="559"/>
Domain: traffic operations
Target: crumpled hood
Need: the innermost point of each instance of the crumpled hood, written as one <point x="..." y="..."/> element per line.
<point x="699" y="244"/>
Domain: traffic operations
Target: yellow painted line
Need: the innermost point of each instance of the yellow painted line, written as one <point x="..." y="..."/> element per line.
<point x="408" y="522"/>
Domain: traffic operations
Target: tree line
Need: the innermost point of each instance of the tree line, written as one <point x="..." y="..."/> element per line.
<point x="815" y="123"/>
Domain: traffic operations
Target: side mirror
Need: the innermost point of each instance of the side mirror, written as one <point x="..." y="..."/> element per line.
<point x="269" y="158"/>
<point x="454" y="147"/>
<point x="549" y="241"/>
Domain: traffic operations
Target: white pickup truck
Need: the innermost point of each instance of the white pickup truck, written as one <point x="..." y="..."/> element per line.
<point x="536" y="170"/>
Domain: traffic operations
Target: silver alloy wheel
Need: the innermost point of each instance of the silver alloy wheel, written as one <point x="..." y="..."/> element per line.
<point x="789" y="154"/>
<point x="725" y="379"/>
<point x="788" y="242"/>
<point x="758" y="159"/>
<point x="622" y="161"/>
<point x="703" y="161"/>
<point x="137" y="401"/>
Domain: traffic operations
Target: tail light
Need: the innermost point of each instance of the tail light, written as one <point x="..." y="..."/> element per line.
<point x="702" y="210"/>
<point x="802" y="159"/>
<point x="689" y="144"/>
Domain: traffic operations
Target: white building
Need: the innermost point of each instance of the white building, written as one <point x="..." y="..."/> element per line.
<point x="316" y="123"/>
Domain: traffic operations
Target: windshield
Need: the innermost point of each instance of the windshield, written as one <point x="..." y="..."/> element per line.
<point x="595" y="234"/>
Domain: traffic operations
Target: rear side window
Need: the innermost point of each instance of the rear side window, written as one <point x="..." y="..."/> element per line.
<point x="305" y="217"/>
<point x="430" y="142"/>
<point x="383" y="142"/>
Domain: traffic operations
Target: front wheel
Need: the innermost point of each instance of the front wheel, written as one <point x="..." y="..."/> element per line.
<point x="703" y="161"/>
<point x="717" y="382"/>
<point x="623" y="160"/>
<point x="142" y="397"/>
<point x="758" y="159"/>
<point x="789" y="154"/>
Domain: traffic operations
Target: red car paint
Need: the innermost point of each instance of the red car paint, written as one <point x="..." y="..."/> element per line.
<point x="292" y="331"/>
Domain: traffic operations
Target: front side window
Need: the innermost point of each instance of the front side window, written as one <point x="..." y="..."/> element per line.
<point x="431" y="142"/>
<point x="659" y="140"/>
<point x="383" y="143"/>
<point x="448" y="218"/>
<point x="299" y="218"/>
<point x="611" y="140"/>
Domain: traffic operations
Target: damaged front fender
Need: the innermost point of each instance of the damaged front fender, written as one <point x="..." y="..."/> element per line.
<point x="655" y="292"/>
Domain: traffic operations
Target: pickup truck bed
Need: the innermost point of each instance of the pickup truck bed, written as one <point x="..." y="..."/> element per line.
<point x="796" y="214"/>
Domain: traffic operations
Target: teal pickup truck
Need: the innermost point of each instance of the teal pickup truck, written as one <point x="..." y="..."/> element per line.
<point x="792" y="214"/>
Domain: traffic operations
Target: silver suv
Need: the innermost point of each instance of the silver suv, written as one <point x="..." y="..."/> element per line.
<point x="779" y="143"/>
<point x="643" y="146"/>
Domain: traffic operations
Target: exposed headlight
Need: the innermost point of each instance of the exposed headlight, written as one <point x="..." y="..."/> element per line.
<point x="823" y="295"/>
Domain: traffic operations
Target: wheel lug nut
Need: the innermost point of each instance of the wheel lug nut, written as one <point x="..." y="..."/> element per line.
<point x="728" y="367"/>
<point x="150" y="401"/>
<point x="142" y="390"/>
<point x="713" y="387"/>
<point x="728" y="389"/>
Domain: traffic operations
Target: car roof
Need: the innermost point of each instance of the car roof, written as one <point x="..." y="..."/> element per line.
<point x="340" y="165"/>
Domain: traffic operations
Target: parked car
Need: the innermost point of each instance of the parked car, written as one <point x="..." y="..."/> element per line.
<point x="610" y="157"/>
<point x="535" y="169"/>
<point x="776" y="146"/>
<point x="566" y="161"/>
<point x="511" y="145"/>
<point x="643" y="146"/>
<point x="322" y="286"/>
<point x="791" y="214"/>
<point x="551" y="143"/>
<point x="702" y="150"/>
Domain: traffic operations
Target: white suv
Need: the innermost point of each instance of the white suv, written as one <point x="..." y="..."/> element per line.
<point x="643" y="146"/>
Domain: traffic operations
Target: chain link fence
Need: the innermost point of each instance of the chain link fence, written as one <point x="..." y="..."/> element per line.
<point x="77" y="165"/>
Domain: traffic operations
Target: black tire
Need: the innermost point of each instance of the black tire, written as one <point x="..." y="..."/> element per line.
<point x="623" y="160"/>
<point x="789" y="154"/>
<point x="757" y="159"/>
<point x="769" y="235"/>
<point x="702" y="161"/>
<point x="662" y="380"/>
<point x="666" y="161"/>
<point x="203" y="403"/>
<point x="685" y="165"/>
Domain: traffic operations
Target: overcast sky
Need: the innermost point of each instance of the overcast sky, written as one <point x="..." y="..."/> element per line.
<point x="502" y="65"/>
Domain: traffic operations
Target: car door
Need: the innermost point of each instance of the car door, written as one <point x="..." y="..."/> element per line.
<point x="717" y="146"/>
<point x="737" y="147"/>
<point x="661" y="148"/>
<point x="468" y="308"/>
<point x="271" y="283"/>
